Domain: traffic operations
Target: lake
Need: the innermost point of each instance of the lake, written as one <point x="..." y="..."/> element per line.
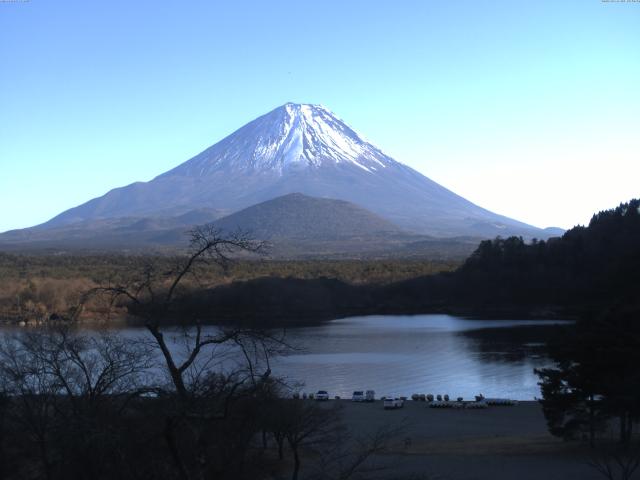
<point x="401" y="355"/>
<point x="438" y="354"/>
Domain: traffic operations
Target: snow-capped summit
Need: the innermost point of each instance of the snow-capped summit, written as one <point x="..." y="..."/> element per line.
<point x="292" y="136"/>
<point x="306" y="149"/>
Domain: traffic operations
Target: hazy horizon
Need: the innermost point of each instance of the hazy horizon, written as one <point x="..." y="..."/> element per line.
<point x="528" y="111"/>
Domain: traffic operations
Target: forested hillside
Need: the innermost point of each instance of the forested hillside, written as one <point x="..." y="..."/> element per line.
<point x="35" y="287"/>
<point x="587" y="268"/>
<point x="594" y="264"/>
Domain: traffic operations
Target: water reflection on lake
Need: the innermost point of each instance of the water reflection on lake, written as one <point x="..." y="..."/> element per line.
<point x="394" y="354"/>
<point x="419" y="354"/>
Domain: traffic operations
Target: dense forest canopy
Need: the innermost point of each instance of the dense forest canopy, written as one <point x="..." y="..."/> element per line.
<point x="598" y="262"/>
<point x="587" y="268"/>
<point x="595" y="379"/>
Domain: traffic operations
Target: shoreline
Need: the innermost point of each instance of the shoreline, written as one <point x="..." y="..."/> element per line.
<point x="269" y="321"/>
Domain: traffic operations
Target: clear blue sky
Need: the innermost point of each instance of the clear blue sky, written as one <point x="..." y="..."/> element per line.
<point x="528" y="108"/>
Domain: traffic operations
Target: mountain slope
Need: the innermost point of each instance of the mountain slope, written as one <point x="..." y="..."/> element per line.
<point x="307" y="149"/>
<point x="296" y="216"/>
<point x="294" y="226"/>
<point x="121" y="232"/>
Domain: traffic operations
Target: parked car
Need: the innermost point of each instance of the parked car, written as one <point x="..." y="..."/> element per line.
<point x="358" y="396"/>
<point x="322" y="395"/>
<point x="369" y="396"/>
<point x="392" y="402"/>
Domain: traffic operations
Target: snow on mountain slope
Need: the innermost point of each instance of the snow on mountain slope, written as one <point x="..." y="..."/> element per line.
<point x="307" y="149"/>
<point x="290" y="137"/>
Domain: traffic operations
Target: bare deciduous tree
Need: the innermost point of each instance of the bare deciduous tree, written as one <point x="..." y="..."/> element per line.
<point x="212" y="370"/>
<point x="63" y="390"/>
<point x="152" y="297"/>
<point x="619" y="462"/>
<point x="348" y="457"/>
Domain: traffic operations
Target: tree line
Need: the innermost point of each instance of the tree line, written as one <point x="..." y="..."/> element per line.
<point x="35" y="288"/>
<point x="586" y="269"/>
<point x="592" y="392"/>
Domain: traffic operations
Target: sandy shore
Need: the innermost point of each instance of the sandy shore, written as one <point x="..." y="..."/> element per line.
<point x="459" y="444"/>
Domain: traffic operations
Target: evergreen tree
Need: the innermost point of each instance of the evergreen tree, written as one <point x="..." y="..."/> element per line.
<point x="596" y="377"/>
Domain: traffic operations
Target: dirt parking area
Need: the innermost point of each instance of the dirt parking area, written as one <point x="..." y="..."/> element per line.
<point x="507" y="442"/>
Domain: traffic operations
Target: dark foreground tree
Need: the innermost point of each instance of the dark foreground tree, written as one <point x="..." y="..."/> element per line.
<point x="596" y="377"/>
<point x="65" y="394"/>
<point x="77" y="406"/>
<point x="153" y="296"/>
<point x="594" y="390"/>
<point x="615" y="462"/>
<point x="571" y="390"/>
<point x="218" y="375"/>
<point x="319" y="443"/>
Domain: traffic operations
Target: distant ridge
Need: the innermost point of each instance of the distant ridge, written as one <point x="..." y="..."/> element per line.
<point x="108" y="233"/>
<point x="293" y="226"/>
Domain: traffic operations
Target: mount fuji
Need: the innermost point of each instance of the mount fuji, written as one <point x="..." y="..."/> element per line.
<point x="296" y="148"/>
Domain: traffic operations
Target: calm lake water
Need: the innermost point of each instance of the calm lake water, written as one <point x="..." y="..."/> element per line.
<point x="402" y="355"/>
<point x="419" y="354"/>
